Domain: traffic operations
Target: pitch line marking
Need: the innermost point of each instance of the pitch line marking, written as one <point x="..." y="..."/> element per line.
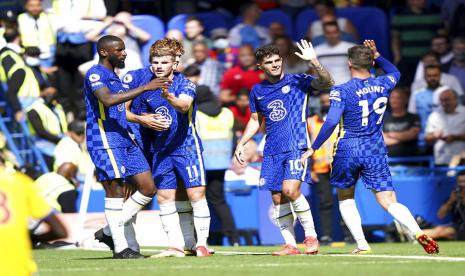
<point x="262" y="265"/>
<point x="407" y="257"/>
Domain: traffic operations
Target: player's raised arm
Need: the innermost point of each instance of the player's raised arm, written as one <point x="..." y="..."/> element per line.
<point x="182" y="103"/>
<point x="324" y="79"/>
<point x="108" y="98"/>
<point x="385" y="65"/>
<point x="250" y="130"/>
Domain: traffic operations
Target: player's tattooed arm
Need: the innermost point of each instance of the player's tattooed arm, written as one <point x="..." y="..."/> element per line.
<point x="251" y="129"/>
<point x="105" y="96"/>
<point x="182" y="103"/>
<point x="324" y="79"/>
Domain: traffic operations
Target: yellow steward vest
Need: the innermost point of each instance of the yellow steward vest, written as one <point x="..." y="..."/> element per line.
<point x="54" y="121"/>
<point x="30" y="86"/>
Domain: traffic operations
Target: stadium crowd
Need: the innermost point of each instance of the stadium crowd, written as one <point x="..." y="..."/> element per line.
<point x="47" y="46"/>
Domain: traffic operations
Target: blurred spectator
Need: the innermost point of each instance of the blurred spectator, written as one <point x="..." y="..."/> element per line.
<point x="8" y="20"/>
<point x="441" y="45"/>
<point x="453" y="14"/>
<point x="175" y="34"/>
<point x="325" y="10"/>
<point x="456" y="66"/>
<point x="47" y="121"/>
<point x="426" y="100"/>
<point x="432" y="58"/>
<point x="455" y="206"/>
<point x="59" y="188"/>
<point x="31" y="57"/>
<point x="401" y="128"/>
<point x="321" y="169"/>
<point x="292" y="64"/>
<point x="23" y="87"/>
<point x="121" y="26"/>
<point x="221" y="49"/>
<point x="215" y="129"/>
<point x="293" y="7"/>
<point x="241" y="110"/>
<point x="248" y="32"/>
<point x="412" y="29"/>
<point x="211" y="71"/>
<point x="446" y="128"/>
<point x="193" y="30"/>
<point x="37" y="29"/>
<point x="244" y="75"/>
<point x="333" y="53"/>
<point x="68" y="149"/>
<point x="74" y="20"/>
<point x="276" y="29"/>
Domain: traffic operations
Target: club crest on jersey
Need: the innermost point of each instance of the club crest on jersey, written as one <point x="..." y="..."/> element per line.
<point x="94" y="77"/>
<point x="127" y="78"/>
<point x="285" y="89"/>
<point x="278" y="110"/>
<point x="163" y="111"/>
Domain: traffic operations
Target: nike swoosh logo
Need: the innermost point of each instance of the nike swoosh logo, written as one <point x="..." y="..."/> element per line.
<point x="259" y="98"/>
<point x="148" y="100"/>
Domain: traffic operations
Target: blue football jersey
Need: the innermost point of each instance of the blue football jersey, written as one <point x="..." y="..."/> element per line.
<point x="284" y="107"/>
<point x="181" y="137"/>
<point x="106" y="126"/>
<point x="143" y="136"/>
<point x="363" y="102"/>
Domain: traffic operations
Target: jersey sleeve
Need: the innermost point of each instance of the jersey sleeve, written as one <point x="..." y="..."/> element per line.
<point x="337" y="97"/>
<point x="389" y="81"/>
<point x="130" y="79"/>
<point x="96" y="80"/>
<point x="37" y="206"/>
<point x="253" y="101"/>
<point x="188" y="89"/>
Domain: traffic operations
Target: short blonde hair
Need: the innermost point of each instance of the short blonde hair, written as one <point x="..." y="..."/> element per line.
<point x="166" y="47"/>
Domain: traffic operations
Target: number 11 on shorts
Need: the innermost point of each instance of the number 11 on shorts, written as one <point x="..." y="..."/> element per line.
<point x="192" y="172"/>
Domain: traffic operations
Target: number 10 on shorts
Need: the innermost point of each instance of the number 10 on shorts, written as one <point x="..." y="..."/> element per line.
<point x="295" y="165"/>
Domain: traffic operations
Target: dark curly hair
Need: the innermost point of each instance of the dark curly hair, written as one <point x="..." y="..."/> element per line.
<point x="265" y="51"/>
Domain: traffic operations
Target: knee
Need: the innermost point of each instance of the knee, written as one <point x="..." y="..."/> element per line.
<point x="148" y="190"/>
<point x="291" y="193"/>
<point x="196" y="194"/>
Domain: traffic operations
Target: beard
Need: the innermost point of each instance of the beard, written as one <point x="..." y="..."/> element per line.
<point x="120" y="64"/>
<point x="116" y="62"/>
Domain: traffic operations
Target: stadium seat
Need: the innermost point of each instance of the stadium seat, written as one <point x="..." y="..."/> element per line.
<point x="270" y="16"/>
<point x="371" y="23"/>
<point x="152" y="25"/>
<point x="210" y="20"/>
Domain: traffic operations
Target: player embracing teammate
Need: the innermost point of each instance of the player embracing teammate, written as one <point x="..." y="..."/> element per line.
<point x="175" y="150"/>
<point x="358" y="107"/>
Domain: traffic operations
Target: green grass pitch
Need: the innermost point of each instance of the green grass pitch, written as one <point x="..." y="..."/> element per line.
<point x="388" y="259"/>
